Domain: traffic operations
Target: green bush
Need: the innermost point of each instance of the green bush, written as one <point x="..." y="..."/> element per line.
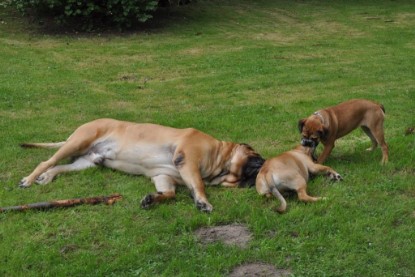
<point x="92" y="13"/>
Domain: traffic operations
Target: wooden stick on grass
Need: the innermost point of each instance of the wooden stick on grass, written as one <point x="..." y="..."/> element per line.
<point x="109" y="200"/>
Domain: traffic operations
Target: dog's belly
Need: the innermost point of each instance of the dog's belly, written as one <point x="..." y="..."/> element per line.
<point x="143" y="169"/>
<point x="138" y="159"/>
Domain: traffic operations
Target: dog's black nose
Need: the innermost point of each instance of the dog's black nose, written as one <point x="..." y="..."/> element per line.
<point x="306" y="142"/>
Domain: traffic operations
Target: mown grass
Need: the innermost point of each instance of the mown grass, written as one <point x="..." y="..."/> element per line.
<point x="241" y="71"/>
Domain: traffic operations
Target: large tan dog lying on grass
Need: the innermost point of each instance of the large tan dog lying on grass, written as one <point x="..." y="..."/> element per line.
<point x="168" y="156"/>
<point x="332" y="123"/>
<point x="291" y="171"/>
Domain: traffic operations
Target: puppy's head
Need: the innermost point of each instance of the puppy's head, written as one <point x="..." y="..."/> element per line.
<point x="250" y="163"/>
<point x="312" y="131"/>
<point x="307" y="150"/>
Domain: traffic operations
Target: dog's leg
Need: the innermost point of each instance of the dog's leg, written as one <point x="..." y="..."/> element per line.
<point x="194" y="182"/>
<point x="77" y="144"/>
<point x="385" y="152"/>
<point x="322" y="169"/>
<point x="166" y="189"/>
<point x="190" y="173"/>
<point x="187" y="163"/>
<point x="378" y="133"/>
<point x="372" y="138"/>
<point x="83" y="162"/>
<point x="328" y="147"/>
<point x="302" y="194"/>
<point x="61" y="154"/>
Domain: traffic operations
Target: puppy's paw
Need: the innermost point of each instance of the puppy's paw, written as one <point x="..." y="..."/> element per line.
<point x="335" y="176"/>
<point x="24" y="183"/>
<point x="204" y="206"/>
<point x="147" y="201"/>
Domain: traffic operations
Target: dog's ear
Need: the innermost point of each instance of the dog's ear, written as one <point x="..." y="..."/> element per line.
<point x="301" y="123"/>
<point x="250" y="170"/>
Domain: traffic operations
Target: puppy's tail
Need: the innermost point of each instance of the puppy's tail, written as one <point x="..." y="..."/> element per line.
<point x="283" y="203"/>
<point x="48" y="145"/>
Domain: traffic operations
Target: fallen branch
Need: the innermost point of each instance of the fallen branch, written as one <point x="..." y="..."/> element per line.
<point x="109" y="200"/>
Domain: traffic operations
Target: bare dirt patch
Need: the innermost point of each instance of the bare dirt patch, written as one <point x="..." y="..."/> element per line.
<point x="259" y="269"/>
<point x="234" y="234"/>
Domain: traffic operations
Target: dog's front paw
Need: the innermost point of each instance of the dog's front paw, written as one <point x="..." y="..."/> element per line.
<point x="147" y="201"/>
<point x="204" y="206"/>
<point x="24" y="183"/>
<point x="335" y="176"/>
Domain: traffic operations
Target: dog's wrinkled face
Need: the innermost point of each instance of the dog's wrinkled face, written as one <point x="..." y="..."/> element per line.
<point x="251" y="167"/>
<point x="312" y="131"/>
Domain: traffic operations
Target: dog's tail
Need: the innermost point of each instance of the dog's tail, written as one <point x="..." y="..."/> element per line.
<point x="48" y="145"/>
<point x="266" y="184"/>
<point x="283" y="203"/>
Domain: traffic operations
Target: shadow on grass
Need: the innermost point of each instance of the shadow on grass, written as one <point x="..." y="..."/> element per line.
<point x="47" y="25"/>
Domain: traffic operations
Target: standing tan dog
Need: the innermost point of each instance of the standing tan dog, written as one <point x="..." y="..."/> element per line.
<point x="291" y="171"/>
<point x="168" y="156"/>
<point x="332" y="123"/>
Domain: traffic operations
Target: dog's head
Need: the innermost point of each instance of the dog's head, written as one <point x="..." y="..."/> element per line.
<point x="250" y="166"/>
<point x="307" y="150"/>
<point x="312" y="131"/>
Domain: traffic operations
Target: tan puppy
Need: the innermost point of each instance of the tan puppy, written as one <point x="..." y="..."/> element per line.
<point x="168" y="156"/>
<point x="291" y="171"/>
<point x="332" y="123"/>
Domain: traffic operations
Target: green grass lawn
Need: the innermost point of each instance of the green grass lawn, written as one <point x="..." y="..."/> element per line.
<point x="243" y="71"/>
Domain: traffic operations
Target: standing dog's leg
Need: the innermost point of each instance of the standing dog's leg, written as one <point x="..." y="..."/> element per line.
<point x="328" y="146"/>
<point x="166" y="189"/>
<point x="376" y="135"/>
<point x="372" y="138"/>
<point x="377" y="132"/>
<point x="385" y="154"/>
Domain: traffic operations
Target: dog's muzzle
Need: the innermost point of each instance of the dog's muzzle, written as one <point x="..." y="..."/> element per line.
<point x="309" y="143"/>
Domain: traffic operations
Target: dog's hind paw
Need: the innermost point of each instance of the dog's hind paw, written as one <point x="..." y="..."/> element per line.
<point x="24" y="183"/>
<point x="147" y="201"/>
<point x="44" y="179"/>
<point x="204" y="206"/>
